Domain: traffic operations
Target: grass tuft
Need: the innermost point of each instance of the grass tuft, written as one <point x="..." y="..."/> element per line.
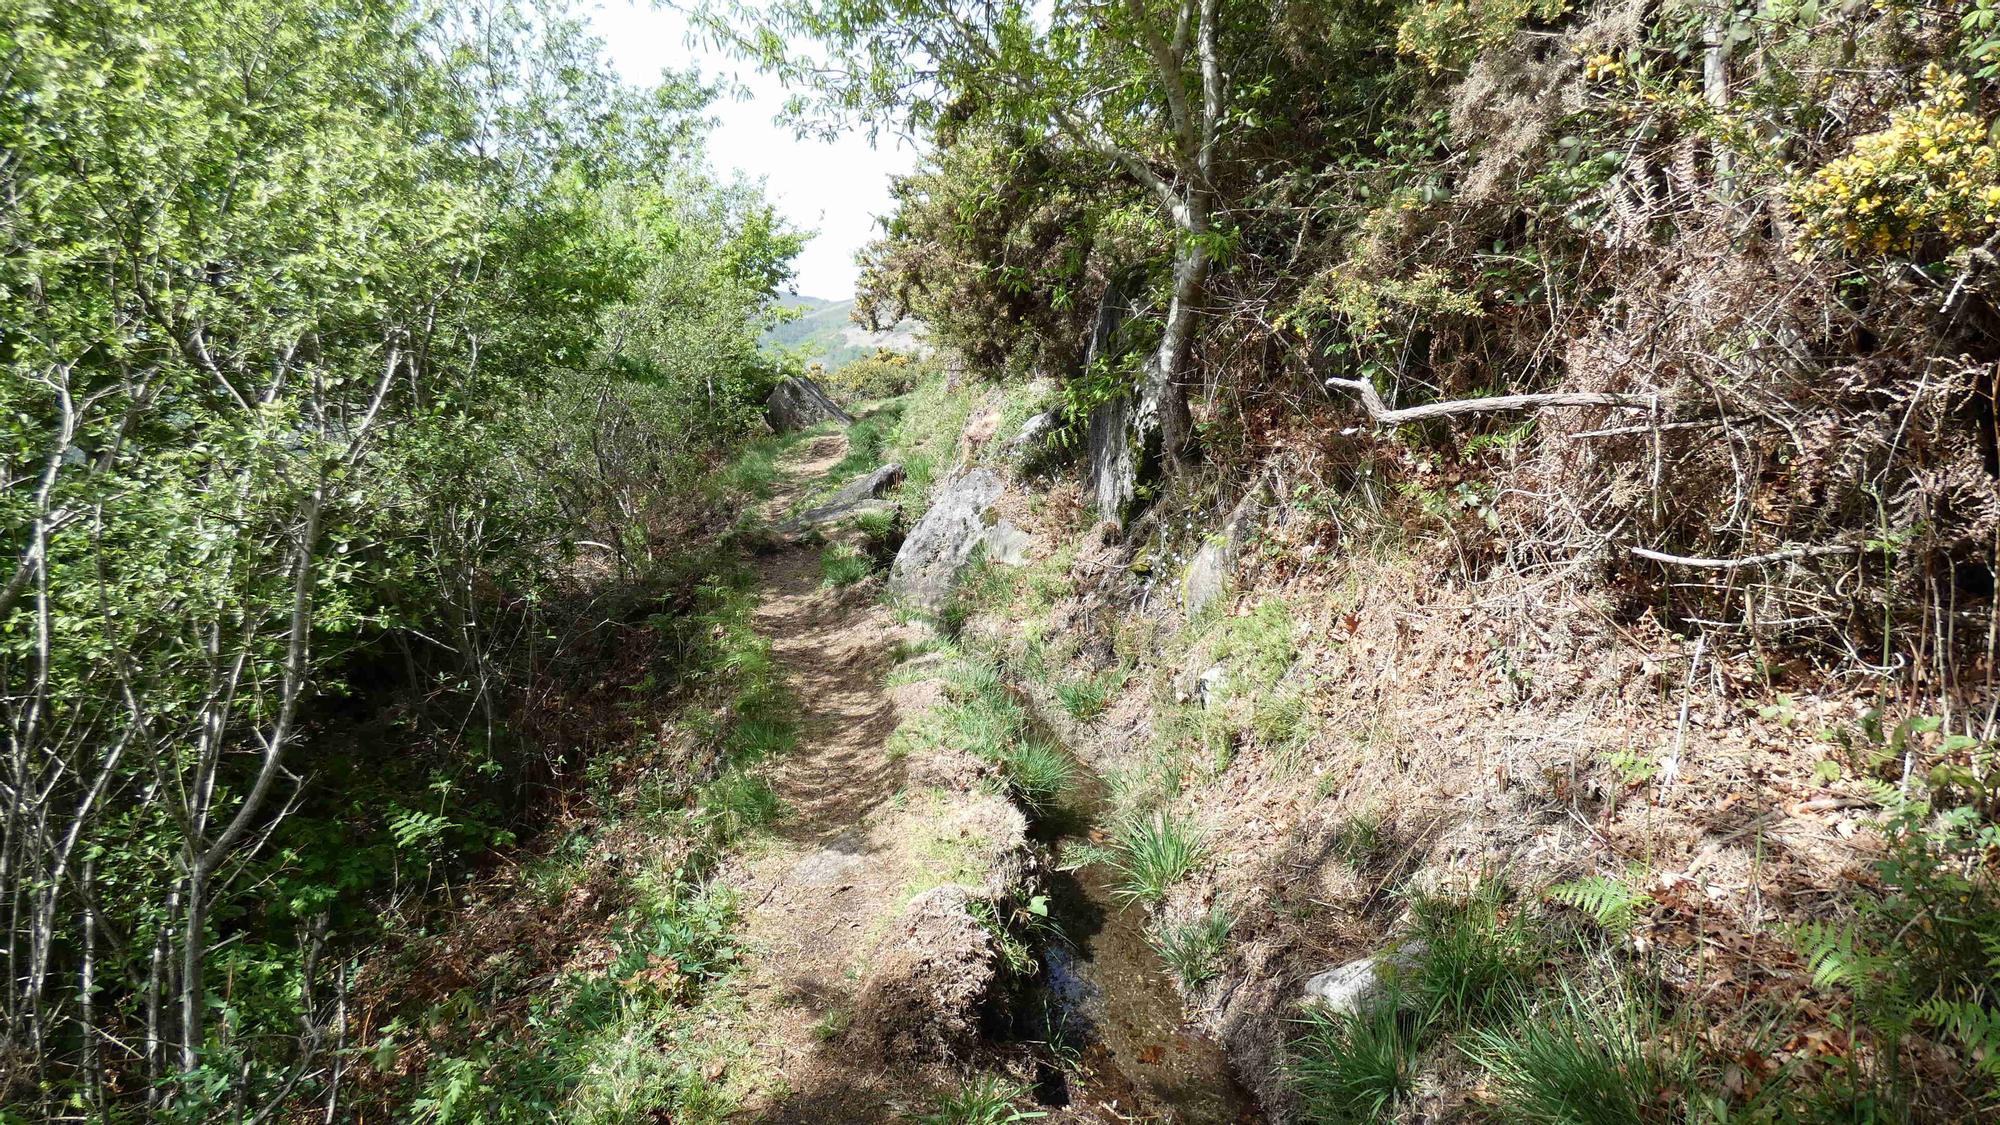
<point x="844" y="564"/>
<point x="1354" y="1067"/>
<point x="1194" y="951"/>
<point x="1086" y="697"/>
<point x="1038" y="773"/>
<point x="1153" y="853"/>
<point x="1474" y="966"/>
<point x="1580" y="1060"/>
<point x="983" y="1101"/>
<point x="1359" y="839"/>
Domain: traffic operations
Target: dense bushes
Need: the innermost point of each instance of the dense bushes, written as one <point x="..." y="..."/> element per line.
<point x="340" y="344"/>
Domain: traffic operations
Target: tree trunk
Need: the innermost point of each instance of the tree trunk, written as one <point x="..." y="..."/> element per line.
<point x="1168" y="389"/>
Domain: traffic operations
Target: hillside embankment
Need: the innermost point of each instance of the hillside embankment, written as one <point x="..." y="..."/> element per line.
<point x="1331" y="774"/>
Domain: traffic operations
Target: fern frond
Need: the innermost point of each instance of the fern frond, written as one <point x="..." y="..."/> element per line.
<point x="1831" y="954"/>
<point x="1974" y="1025"/>
<point x="1610" y="901"/>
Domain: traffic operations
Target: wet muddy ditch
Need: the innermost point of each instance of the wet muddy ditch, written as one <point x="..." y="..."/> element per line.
<point x="1103" y="1001"/>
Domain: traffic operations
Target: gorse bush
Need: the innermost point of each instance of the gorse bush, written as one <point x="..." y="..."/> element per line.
<point x="1931" y="176"/>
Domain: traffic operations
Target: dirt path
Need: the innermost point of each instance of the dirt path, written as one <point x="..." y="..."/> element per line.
<point x="817" y="893"/>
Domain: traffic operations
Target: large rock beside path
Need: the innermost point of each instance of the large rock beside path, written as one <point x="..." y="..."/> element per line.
<point x="960" y="524"/>
<point x="798" y="403"/>
<point x="862" y="494"/>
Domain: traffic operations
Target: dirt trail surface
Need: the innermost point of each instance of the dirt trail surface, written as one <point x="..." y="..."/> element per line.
<point x="864" y="973"/>
<point x="819" y="892"/>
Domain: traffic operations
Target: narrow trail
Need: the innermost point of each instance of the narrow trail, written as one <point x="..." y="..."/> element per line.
<point x="830" y="878"/>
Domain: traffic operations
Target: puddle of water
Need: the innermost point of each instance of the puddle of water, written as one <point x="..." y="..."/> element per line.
<point x="1109" y="1004"/>
<point x="1109" y="1000"/>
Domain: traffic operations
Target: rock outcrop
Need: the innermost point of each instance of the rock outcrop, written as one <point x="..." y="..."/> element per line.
<point x="1215" y="563"/>
<point x="862" y="494"/>
<point x="1121" y="431"/>
<point x="798" y="403"/>
<point x="959" y="525"/>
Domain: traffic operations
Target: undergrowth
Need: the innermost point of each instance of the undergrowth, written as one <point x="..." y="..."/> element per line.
<point x="636" y="1039"/>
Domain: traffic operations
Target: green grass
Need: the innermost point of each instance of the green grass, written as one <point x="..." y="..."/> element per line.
<point x="1355" y="1068"/>
<point x="925" y="435"/>
<point x="1359" y="839"/>
<point x="833" y="1025"/>
<point x="1282" y="717"/>
<point x="1193" y="951"/>
<point x="1474" y="966"/>
<point x="1086" y="696"/>
<point x="1580" y="1059"/>
<point x="983" y="1101"/>
<point x="877" y="524"/>
<point x="843" y="564"/>
<point x="735" y="803"/>
<point x="1038" y="773"/>
<point x="1151" y="854"/>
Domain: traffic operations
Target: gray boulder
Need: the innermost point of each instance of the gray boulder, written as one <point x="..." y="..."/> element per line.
<point x="798" y="403"/>
<point x="859" y="495"/>
<point x="1215" y="563"/>
<point x="1358" y="986"/>
<point x="1034" y="437"/>
<point x="959" y="525"/>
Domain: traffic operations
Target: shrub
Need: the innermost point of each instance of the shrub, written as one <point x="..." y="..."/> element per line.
<point x="881" y="375"/>
<point x="1448" y="36"/>
<point x="1931" y="174"/>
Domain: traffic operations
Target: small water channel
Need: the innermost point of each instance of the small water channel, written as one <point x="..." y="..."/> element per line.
<point x="1107" y="1002"/>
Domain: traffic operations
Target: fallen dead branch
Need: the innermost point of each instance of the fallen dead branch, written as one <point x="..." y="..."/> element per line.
<point x="1788" y="553"/>
<point x="1380" y="412"/>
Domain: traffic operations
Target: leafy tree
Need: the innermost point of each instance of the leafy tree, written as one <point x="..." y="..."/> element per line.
<point x="1146" y="86"/>
<point x="327" y="326"/>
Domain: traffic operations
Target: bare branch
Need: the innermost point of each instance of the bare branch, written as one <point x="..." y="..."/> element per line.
<point x="1497" y="404"/>
<point x="1784" y="555"/>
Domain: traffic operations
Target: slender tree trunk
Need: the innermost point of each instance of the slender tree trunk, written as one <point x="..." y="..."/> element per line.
<point x="1169" y="374"/>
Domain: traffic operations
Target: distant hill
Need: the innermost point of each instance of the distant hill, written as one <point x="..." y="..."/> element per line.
<point x="829" y="335"/>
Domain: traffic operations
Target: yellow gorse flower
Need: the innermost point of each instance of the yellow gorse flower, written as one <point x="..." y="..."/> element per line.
<point x="1932" y="173"/>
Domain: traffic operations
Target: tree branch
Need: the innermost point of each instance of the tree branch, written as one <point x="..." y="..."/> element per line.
<point x="1783" y="555"/>
<point x="1497" y="404"/>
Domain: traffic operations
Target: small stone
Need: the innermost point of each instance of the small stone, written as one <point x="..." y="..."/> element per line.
<point x="1359" y="985"/>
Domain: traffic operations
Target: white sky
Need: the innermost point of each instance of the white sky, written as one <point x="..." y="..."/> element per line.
<point x="837" y="189"/>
